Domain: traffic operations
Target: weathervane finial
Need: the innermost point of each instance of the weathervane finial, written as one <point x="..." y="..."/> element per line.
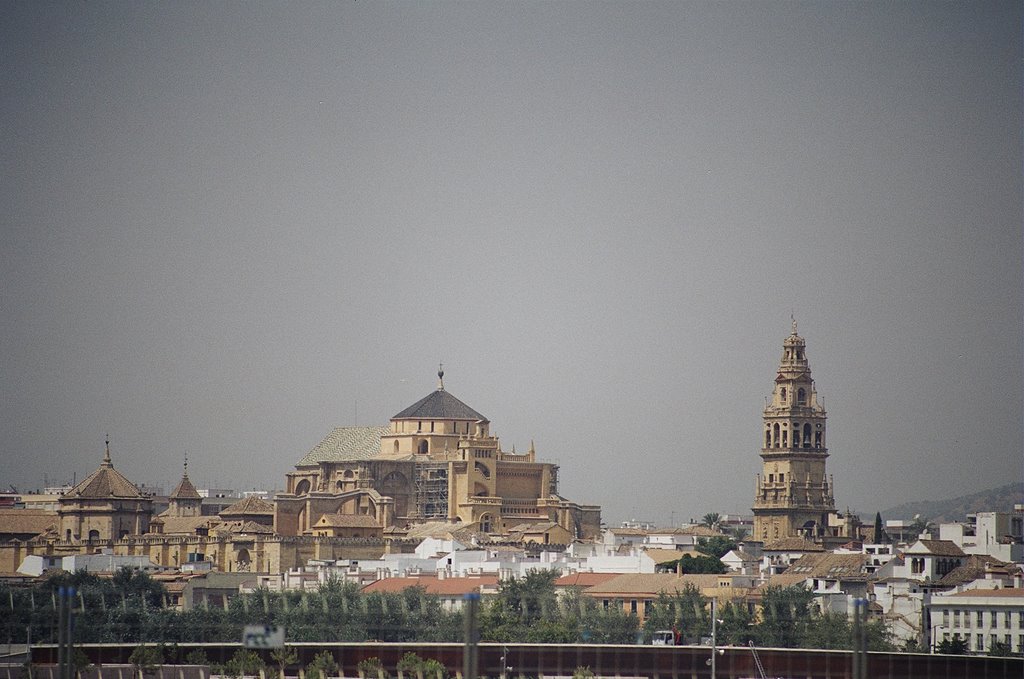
<point x="440" y="376"/>
<point x="793" y="318"/>
<point x="106" y="453"/>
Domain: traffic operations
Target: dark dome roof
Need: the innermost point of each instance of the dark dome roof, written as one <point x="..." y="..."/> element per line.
<point x="439" y="405"/>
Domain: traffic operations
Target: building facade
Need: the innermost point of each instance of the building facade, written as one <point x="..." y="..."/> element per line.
<point x="436" y="460"/>
<point x="793" y="493"/>
<point x="105" y="506"/>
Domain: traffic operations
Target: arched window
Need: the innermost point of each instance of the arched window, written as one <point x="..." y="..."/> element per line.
<point x="807" y="435"/>
<point x="94" y="534"/>
<point x="775" y="430"/>
<point x="801" y="397"/>
<point x="303" y="487"/>
<point x="422" y="449"/>
<point x="482" y="469"/>
<point x="767" y="438"/>
<point x="796" y="434"/>
<point x="783" y="394"/>
<point x="396" y="446"/>
<point x="485" y="523"/>
<point x="817" y="439"/>
<point x="785" y="437"/>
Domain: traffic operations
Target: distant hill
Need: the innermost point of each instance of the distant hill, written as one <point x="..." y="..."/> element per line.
<point x="999" y="499"/>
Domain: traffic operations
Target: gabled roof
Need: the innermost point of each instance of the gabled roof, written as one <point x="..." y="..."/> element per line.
<point x="936" y="548"/>
<point x="105" y="482"/>
<point x="973" y="569"/>
<point x="830" y="566"/>
<point x="439" y="405"/>
<point x="249" y="506"/>
<point x="345" y="444"/>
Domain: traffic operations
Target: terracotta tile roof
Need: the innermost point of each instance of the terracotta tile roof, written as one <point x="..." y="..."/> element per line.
<point x="936" y="548"/>
<point x="973" y="569"/>
<point x="661" y="556"/>
<point x="26" y="522"/>
<point x="651" y="584"/>
<point x="584" y="579"/>
<point x="250" y="506"/>
<point x="786" y="579"/>
<point x="1014" y="592"/>
<point x="347" y="521"/>
<point x="105" y="482"/>
<point x="793" y="545"/>
<point x="245" y="527"/>
<point x="830" y="566"/>
<point x="346" y="444"/>
<point x="434" y="585"/>
<point x="185" y="525"/>
<point x="185" y="490"/>
<point x="700" y="531"/>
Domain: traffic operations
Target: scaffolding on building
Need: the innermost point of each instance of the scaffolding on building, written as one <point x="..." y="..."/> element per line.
<point x="431" y="486"/>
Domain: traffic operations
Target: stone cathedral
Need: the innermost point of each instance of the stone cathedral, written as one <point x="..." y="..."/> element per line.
<point x="794" y="495"/>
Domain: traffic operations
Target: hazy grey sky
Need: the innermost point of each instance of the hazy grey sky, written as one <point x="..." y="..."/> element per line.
<point x="230" y="227"/>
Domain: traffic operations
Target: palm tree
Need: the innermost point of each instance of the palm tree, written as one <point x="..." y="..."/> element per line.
<point x="711" y="520"/>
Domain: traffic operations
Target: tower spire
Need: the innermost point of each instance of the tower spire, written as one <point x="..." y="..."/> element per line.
<point x="106" y="453"/>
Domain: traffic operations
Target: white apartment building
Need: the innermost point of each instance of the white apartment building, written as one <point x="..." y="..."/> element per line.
<point x="983" y="617"/>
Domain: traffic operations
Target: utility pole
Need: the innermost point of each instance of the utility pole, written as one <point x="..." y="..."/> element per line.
<point x="714" y="637"/>
<point x="470" y="660"/>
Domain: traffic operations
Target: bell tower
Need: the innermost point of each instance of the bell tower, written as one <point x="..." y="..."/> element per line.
<point x="793" y="497"/>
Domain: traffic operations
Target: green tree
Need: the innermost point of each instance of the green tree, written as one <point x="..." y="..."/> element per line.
<point x="520" y="605"/>
<point x="283" y="657"/>
<point x="878" y="536"/>
<point x="736" y="626"/>
<point x="717" y="546"/>
<point x="954" y="646"/>
<point x="695" y="564"/>
<point x="683" y="611"/>
<point x="1000" y="649"/>
<point x="786" y="614"/>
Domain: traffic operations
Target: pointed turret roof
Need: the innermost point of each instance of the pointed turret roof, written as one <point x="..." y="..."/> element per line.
<point x="185" y="490"/>
<point x="439" y="405"/>
<point x="105" y="482"/>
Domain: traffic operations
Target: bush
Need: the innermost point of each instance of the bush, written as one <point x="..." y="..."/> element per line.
<point x="433" y="669"/>
<point x="146" y="658"/>
<point x="243" y="663"/>
<point x="323" y="666"/>
<point x="370" y="668"/>
<point x="410" y="664"/>
<point x="196" y="656"/>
